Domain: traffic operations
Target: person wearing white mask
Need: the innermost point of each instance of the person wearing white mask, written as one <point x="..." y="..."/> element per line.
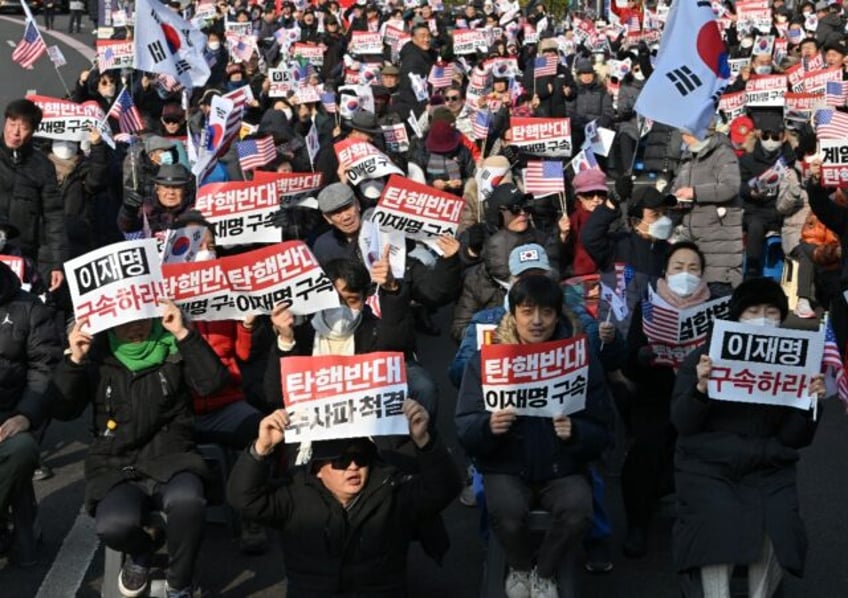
<point x="760" y="188"/>
<point x="735" y="469"/>
<point x="644" y="401"/>
<point x="707" y="188"/>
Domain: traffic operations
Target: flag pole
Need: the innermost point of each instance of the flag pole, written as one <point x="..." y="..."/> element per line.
<point x="29" y="17"/>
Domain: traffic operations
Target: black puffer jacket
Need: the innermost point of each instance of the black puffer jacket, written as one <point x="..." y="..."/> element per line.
<point x="154" y="438"/>
<point x="30" y="198"/>
<point x="361" y="551"/>
<point x="413" y="60"/>
<point x="29" y="350"/>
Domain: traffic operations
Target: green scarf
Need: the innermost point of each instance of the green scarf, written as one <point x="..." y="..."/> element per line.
<point x="149" y="353"/>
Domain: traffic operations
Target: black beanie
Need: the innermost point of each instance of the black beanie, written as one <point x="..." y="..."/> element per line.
<point x="756" y="291"/>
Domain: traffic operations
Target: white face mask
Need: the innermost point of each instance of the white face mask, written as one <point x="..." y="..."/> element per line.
<point x="214" y="46"/>
<point x="683" y="283"/>
<point x="762" y="69"/>
<point x="762" y="321"/>
<point x="340" y="322"/>
<point x="65" y="150"/>
<point x="639" y="75"/>
<point x="660" y="229"/>
<point x="205" y="255"/>
<point x="166" y="158"/>
<point x="770" y="145"/>
<point x="2" y="239"/>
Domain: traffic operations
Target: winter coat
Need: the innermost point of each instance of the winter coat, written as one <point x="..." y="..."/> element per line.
<point x="413" y="60"/>
<point x="434" y="285"/>
<point x="662" y="150"/>
<point x="714" y="174"/>
<point x="588" y="103"/>
<point x="835" y="218"/>
<point x="462" y="156"/>
<point x="735" y="477"/>
<point x="29" y="351"/>
<point x="154" y="437"/>
<point x="531" y="449"/>
<point x="793" y="206"/>
<point x="628" y="93"/>
<point x="360" y="551"/>
<point x="753" y="164"/>
<point x="232" y="343"/>
<point x="830" y="29"/>
<point x="481" y="287"/>
<point x="30" y="199"/>
<point x="159" y="218"/>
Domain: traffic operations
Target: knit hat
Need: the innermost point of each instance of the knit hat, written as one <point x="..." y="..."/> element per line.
<point x="758" y="291"/>
<point x="442" y="138"/>
<point x="442" y="113"/>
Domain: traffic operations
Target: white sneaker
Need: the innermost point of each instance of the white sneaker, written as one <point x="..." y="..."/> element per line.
<point x="517" y="584"/>
<point x="542" y="587"/>
<point x="803" y="309"/>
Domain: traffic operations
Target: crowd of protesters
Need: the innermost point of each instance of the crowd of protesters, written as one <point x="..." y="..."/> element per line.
<point x="660" y="211"/>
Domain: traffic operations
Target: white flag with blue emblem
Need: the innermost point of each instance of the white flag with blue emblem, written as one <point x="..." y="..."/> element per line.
<point x="690" y="72"/>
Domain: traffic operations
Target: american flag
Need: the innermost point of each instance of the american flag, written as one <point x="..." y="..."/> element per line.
<point x="328" y="99"/>
<point x="545" y="66"/>
<point x="832" y="363"/>
<point x="30" y="48"/>
<point x="129" y="118"/>
<point x="441" y="76"/>
<point x="836" y="93"/>
<point x="831" y="124"/>
<point x="544" y="177"/>
<point x="254" y="153"/>
<point x="480" y="124"/>
<point x="659" y="323"/>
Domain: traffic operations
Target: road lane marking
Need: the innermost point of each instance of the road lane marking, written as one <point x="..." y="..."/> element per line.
<point x="66" y="39"/>
<point x="72" y="561"/>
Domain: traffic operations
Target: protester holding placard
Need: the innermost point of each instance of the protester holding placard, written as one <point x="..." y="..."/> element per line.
<point x="530" y="462"/>
<point x="735" y="469"/>
<point x="138" y="378"/>
<point x="346" y="519"/>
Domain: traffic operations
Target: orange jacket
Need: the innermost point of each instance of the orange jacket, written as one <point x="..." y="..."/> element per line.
<point x="827" y="252"/>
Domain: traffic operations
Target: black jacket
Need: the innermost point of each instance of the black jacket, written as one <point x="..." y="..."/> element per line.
<point x="753" y="164"/>
<point x="413" y="60"/>
<point x="29" y="197"/>
<point x="154" y="437"/>
<point x="361" y="551"/>
<point x="29" y="350"/>
<point x="735" y="477"/>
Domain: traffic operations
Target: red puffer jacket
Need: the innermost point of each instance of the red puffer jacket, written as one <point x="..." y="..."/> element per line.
<point x="230" y="340"/>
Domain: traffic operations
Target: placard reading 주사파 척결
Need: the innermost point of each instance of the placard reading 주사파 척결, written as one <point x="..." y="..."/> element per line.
<point x="335" y="396"/>
<point x="756" y="364"/>
<point x="540" y="379"/>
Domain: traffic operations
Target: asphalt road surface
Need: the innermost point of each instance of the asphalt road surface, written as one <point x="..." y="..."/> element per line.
<point x="71" y="562"/>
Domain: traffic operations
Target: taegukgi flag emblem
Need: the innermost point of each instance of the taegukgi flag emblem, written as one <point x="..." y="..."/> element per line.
<point x="691" y="70"/>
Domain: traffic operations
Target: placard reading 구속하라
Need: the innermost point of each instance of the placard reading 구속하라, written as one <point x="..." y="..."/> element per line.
<point x="537" y="380"/>
<point x="115" y="284"/>
<point x="757" y="364"/>
<point x="418" y="211"/>
<point x="334" y="396"/>
<point x="251" y="283"/>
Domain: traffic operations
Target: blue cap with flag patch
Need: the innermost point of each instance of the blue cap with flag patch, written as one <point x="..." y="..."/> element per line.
<point x="530" y="256"/>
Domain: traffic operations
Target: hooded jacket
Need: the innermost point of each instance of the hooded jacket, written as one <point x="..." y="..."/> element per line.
<point x="29" y="351"/>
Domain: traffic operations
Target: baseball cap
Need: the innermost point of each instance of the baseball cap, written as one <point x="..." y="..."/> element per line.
<point x="739" y="129"/>
<point x="530" y="256"/>
<point x="334" y="197"/>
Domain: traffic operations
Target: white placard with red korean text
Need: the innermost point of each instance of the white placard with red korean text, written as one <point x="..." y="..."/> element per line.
<point x="115" y="284"/>
<point x="294" y="189"/>
<point x="538" y="379"/>
<point x="115" y="54"/>
<point x="335" y="396"/>
<point x="251" y="283"/>
<point x="468" y="41"/>
<point x="418" y="211"/>
<point x="765" y="90"/>
<point x="834" y="168"/>
<point x="732" y="104"/>
<point x="765" y="365"/>
<point x="311" y="52"/>
<point x="66" y="120"/>
<point x="362" y="161"/>
<point x="549" y="137"/>
<point x="240" y="211"/>
<point x="364" y="43"/>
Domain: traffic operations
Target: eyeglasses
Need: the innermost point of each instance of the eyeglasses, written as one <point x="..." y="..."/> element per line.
<point x="772" y="135"/>
<point x="171" y="121"/>
<point x="344" y="461"/>
<point x="452" y="98"/>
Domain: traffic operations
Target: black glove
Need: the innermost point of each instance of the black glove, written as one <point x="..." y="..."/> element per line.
<point x="476" y="238"/>
<point x="280" y="218"/>
<point x="132" y="198"/>
<point x="624" y="187"/>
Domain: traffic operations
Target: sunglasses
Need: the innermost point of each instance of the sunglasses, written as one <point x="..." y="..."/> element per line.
<point x="171" y="121"/>
<point x="451" y="98"/>
<point x="515" y="209"/>
<point x="594" y="195"/>
<point x="773" y="135"/>
<point x="344" y="461"/>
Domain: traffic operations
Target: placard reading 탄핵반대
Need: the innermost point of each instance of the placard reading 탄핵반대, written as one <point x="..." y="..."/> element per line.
<point x="538" y="380"/>
<point x="240" y="211"/>
<point x="756" y="364"/>
<point x="115" y="284"/>
<point x="252" y="283"/>
<point x="416" y="210"/>
<point x="334" y="396"/>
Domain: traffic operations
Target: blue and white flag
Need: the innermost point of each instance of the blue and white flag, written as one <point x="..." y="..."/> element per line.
<point x="691" y="70"/>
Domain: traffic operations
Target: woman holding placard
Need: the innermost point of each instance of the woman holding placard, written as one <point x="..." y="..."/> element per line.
<point x="735" y="471"/>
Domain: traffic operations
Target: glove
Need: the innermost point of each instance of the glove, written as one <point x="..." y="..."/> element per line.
<point x="280" y="218"/>
<point x="624" y="187"/>
<point x="132" y="198"/>
<point x="476" y="238"/>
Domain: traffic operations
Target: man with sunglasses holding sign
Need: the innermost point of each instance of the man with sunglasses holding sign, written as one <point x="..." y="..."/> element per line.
<point x="346" y="519"/>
